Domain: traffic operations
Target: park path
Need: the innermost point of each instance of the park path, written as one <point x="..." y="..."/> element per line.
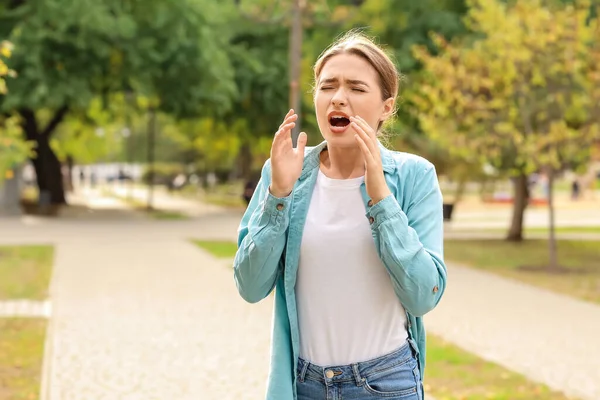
<point x="548" y="337"/>
<point x="141" y="313"/>
<point x="151" y="318"/>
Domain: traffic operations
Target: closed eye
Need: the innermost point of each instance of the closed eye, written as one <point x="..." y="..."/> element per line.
<point x="358" y="90"/>
<point x="326" y="87"/>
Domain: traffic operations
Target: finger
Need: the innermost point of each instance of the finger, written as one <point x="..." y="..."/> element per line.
<point x="363" y="135"/>
<point x="289" y="118"/>
<point x="365" y="149"/>
<point x="302" y="139"/>
<point x="282" y="133"/>
<point x="364" y="125"/>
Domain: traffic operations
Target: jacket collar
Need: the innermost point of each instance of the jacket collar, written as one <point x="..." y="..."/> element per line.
<point x="311" y="159"/>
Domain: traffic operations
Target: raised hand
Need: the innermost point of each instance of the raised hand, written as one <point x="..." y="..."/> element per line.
<point x="375" y="183"/>
<point x="286" y="161"/>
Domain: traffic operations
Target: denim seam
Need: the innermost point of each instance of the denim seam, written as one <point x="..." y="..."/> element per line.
<point x="319" y="379"/>
<point x="381" y="219"/>
<point x="388" y="367"/>
<point x="302" y="376"/>
<point x="390" y="394"/>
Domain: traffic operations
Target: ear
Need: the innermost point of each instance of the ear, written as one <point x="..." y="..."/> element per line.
<point x="388" y="108"/>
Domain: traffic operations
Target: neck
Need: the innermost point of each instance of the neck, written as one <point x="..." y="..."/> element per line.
<point x="342" y="162"/>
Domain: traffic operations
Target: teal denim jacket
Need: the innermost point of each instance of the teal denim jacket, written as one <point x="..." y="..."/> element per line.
<point x="407" y="229"/>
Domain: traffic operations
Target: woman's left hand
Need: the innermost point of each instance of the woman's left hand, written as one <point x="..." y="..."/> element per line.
<point x="366" y="137"/>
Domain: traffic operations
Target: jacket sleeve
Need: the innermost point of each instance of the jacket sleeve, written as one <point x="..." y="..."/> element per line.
<point x="411" y="242"/>
<point x="261" y="240"/>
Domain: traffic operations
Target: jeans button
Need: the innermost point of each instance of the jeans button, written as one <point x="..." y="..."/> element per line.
<point x="329" y="374"/>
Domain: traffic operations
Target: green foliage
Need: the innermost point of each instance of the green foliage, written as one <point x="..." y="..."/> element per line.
<point x="70" y="53"/>
<point x="13" y="149"/>
<point x="524" y="96"/>
<point x="260" y="60"/>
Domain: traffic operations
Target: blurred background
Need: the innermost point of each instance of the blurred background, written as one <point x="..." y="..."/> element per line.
<point x="132" y="135"/>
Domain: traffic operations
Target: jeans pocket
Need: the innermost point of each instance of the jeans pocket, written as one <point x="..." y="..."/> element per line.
<point x="396" y="382"/>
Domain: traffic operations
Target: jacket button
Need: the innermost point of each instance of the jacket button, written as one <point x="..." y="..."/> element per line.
<point x="370" y="203"/>
<point x="280" y="206"/>
<point x="371" y="220"/>
<point x="435" y="289"/>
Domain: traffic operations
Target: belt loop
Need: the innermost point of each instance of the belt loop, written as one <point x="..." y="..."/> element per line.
<point x="303" y="370"/>
<point x="357" y="377"/>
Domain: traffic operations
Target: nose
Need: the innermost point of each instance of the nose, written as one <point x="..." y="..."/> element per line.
<point x="339" y="98"/>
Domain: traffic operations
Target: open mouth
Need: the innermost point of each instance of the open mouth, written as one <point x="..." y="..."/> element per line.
<point x="339" y="121"/>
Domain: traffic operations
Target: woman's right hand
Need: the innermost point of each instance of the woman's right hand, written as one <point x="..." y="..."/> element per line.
<point x="286" y="161"/>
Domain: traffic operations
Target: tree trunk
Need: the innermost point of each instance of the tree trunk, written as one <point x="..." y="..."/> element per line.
<point x="521" y="198"/>
<point x="47" y="166"/>
<point x="48" y="172"/>
<point x="552" y="248"/>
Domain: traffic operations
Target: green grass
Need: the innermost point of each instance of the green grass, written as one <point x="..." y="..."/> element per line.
<point x="566" y="229"/>
<point x="454" y="374"/>
<point x="167" y="215"/>
<point x="25" y="272"/>
<point x="545" y="230"/>
<point x="505" y="258"/>
<point x="21" y="355"/>
<point x="220" y="249"/>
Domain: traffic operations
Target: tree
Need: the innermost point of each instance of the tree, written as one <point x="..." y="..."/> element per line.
<point x="258" y="53"/>
<point x="68" y="54"/>
<point x="13" y="150"/>
<point x="524" y="95"/>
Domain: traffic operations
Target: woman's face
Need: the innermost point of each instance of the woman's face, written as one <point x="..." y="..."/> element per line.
<point x="348" y="86"/>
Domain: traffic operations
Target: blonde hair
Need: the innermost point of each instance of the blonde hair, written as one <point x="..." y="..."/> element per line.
<point x="356" y="43"/>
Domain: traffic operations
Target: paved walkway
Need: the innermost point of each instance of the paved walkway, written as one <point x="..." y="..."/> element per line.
<point x="140" y="313"/>
<point x="547" y="337"/>
<point x="151" y="318"/>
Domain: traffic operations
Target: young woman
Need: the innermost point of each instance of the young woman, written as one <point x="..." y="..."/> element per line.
<point x="350" y="236"/>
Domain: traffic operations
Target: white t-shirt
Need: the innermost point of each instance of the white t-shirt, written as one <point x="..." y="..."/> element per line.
<point x="347" y="309"/>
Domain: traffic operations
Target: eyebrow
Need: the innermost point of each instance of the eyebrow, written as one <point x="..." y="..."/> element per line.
<point x="350" y="81"/>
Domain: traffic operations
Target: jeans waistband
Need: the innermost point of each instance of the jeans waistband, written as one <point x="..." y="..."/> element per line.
<point x="357" y="371"/>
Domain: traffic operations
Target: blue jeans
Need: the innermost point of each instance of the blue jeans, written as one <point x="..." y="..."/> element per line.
<point x="394" y="376"/>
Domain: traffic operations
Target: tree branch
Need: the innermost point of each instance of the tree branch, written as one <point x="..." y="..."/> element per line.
<point x="15" y="3"/>
<point x="57" y="119"/>
<point x="29" y="123"/>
